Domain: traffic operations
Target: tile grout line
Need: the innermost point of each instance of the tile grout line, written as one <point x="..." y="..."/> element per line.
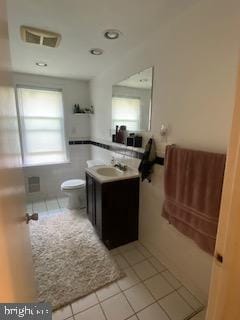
<point x="114" y="295"/>
<point x="49" y="211"/>
<point x="148" y="278"/>
<point x="134" y="312"/>
<point x="122" y="291"/>
<point x="101" y="307"/>
<point x="165" y="268"/>
<point x="155" y="300"/>
<point x="182" y="286"/>
<point x="155" y="267"/>
<point x="152" y="256"/>
<point x="191" y="316"/>
<point x="94" y="305"/>
<point x="197" y="310"/>
<point x="202" y="306"/>
<point x="72" y="311"/>
<point x="187" y="317"/>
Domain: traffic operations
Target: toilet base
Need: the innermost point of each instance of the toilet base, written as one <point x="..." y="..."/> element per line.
<point x="76" y="200"/>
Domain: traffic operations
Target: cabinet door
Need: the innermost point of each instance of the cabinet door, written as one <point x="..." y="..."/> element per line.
<point x="98" y="208"/>
<point x="91" y="206"/>
<point x="120" y="200"/>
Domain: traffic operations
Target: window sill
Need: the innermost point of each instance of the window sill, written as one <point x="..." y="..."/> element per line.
<point x="46" y="164"/>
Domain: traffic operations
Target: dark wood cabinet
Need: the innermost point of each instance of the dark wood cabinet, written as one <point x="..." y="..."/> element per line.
<point x="91" y="198"/>
<point x="112" y="207"/>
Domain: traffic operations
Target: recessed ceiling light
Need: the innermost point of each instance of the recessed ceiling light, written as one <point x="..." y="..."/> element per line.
<point x="41" y="64"/>
<point x="96" y="51"/>
<point x="112" y="34"/>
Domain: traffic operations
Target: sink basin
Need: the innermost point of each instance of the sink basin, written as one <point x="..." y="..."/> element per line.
<point x="109" y="172"/>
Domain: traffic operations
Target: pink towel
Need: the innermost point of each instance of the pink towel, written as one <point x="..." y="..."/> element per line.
<point x="193" y="187"/>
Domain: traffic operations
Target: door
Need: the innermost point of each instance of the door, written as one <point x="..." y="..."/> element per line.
<point x="224" y="296"/>
<point x="16" y="272"/>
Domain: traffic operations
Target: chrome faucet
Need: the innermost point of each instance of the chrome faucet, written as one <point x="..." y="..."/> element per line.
<point x="121" y="166"/>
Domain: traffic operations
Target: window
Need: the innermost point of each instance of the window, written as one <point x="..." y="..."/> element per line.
<point x="42" y="126"/>
<point x="126" y="111"/>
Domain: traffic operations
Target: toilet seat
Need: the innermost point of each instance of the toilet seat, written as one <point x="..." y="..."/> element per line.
<point x="73" y="184"/>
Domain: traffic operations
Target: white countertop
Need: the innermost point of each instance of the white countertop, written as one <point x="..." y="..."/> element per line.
<point x="130" y="173"/>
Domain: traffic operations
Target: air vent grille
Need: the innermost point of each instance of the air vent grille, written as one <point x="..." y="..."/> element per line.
<point x="32" y="38"/>
<point x="33" y="184"/>
<point x="50" y="42"/>
<point x="40" y="37"/>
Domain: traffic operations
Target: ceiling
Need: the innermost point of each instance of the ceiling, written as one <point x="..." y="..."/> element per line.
<point x="140" y="80"/>
<point x="81" y="24"/>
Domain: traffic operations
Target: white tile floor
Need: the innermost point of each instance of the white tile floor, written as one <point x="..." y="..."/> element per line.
<point x="148" y="291"/>
<point x="47" y="206"/>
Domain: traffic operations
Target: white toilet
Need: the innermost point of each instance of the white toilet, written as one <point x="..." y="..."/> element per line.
<point x="75" y="189"/>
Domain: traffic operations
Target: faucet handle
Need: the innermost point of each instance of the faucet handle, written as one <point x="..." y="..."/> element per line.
<point x="121" y="166"/>
<point x="113" y="161"/>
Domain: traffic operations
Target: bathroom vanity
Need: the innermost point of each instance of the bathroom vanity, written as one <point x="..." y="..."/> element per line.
<point x="112" y="204"/>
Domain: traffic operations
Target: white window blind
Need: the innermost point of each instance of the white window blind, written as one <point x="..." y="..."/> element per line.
<point x="126" y="111"/>
<point x="42" y="126"/>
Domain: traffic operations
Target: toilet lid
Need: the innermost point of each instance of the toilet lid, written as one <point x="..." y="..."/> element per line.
<point x="73" y="184"/>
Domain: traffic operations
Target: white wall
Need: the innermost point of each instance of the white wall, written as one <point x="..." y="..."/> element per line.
<point x="76" y="127"/>
<point x="195" y="64"/>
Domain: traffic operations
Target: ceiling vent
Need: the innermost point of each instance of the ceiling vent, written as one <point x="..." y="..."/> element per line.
<point x="40" y="37"/>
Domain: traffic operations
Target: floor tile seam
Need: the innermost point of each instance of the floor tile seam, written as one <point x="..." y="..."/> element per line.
<point x="85" y="309"/>
<point x="186" y="318"/>
<point x="202" y="306"/>
<point x="99" y="302"/>
<point x="114" y="296"/>
<point x="196" y="310"/>
<point x="165" y="268"/>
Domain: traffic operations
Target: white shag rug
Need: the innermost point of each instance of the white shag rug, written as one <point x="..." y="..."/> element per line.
<point x="69" y="259"/>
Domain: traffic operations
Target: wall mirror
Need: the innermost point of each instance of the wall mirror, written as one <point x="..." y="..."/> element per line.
<point x="131" y="102"/>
